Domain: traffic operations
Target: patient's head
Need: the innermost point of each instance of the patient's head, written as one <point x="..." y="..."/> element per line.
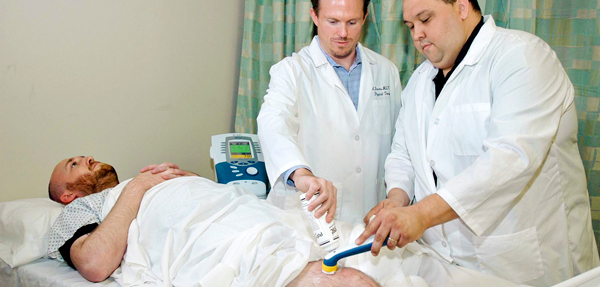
<point x="313" y="276"/>
<point x="80" y="176"/>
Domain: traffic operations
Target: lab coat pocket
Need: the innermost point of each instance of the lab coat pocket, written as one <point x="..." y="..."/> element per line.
<point x="382" y="112"/>
<point x="515" y="257"/>
<point x="469" y="128"/>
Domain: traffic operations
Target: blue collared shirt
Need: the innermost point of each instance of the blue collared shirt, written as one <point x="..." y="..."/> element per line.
<point x="350" y="78"/>
<point x="351" y="81"/>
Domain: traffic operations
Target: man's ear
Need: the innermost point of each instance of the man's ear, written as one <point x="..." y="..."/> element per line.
<point x="463" y="8"/>
<point x="68" y="196"/>
<point x="313" y="15"/>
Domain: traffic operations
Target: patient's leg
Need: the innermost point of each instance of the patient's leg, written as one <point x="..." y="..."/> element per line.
<point x="312" y="275"/>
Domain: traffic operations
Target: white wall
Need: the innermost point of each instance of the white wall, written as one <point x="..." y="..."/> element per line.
<point x="129" y="82"/>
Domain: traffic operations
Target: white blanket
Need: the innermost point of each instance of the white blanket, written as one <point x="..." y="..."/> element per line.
<point x="191" y="231"/>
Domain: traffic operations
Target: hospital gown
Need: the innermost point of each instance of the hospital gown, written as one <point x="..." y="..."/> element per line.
<point x="79" y="213"/>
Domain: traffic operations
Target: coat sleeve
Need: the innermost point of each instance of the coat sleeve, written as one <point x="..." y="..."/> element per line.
<point x="278" y="122"/>
<point x="529" y="93"/>
<point x="399" y="171"/>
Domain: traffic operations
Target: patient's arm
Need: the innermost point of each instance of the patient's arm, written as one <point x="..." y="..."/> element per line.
<point x="98" y="254"/>
<point x="312" y="275"/>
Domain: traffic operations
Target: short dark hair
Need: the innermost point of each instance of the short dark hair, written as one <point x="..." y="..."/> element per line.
<point x="315" y="5"/>
<point x="55" y="191"/>
<point x="473" y="2"/>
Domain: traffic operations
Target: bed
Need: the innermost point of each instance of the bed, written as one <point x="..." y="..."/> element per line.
<point x="45" y="272"/>
<point x="24" y="226"/>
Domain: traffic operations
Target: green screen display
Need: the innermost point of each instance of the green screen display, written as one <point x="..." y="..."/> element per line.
<point x="240" y="150"/>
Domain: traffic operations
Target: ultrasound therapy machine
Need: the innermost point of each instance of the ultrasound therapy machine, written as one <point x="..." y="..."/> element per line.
<point x="238" y="160"/>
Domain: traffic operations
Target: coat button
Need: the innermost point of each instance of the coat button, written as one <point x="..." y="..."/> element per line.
<point x="358" y="170"/>
<point x="436" y="121"/>
<point x="444" y="244"/>
<point x="357" y="137"/>
<point x="432" y="163"/>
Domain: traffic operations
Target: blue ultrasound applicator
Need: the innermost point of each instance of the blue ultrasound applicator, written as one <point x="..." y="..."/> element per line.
<point x="331" y="259"/>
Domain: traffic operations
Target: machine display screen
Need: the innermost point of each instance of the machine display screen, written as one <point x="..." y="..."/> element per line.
<point x="240" y="150"/>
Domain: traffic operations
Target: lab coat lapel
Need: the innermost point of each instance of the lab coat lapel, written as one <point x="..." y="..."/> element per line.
<point x="478" y="47"/>
<point x="425" y="105"/>
<point x="327" y="72"/>
<point x="476" y="51"/>
<point x="366" y="82"/>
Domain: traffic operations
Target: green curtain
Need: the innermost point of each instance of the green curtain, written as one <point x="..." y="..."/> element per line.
<point x="274" y="29"/>
<point x="572" y="28"/>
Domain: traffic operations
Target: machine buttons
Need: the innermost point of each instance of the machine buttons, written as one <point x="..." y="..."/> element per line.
<point x="233" y="167"/>
<point x="252" y="171"/>
<point x="357" y="137"/>
<point x="235" y="171"/>
<point x="239" y="174"/>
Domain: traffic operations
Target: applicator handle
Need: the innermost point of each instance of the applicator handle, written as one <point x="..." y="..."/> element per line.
<point x="333" y="257"/>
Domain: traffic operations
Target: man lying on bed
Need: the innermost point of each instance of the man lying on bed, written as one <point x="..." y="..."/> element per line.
<point x="171" y="227"/>
<point x="95" y="244"/>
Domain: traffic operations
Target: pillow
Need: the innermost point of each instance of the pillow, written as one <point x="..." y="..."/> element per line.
<point x="24" y="228"/>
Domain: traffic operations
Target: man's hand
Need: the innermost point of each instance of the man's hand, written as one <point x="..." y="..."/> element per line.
<point x="306" y="182"/>
<point x="401" y="224"/>
<point x="158" y="168"/>
<point x="396" y="198"/>
<point x="406" y="224"/>
<point x="148" y="179"/>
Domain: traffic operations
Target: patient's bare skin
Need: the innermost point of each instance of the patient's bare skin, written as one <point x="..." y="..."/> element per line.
<point x="312" y="275"/>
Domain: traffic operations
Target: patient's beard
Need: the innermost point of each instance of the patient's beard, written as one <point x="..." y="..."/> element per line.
<point x="103" y="178"/>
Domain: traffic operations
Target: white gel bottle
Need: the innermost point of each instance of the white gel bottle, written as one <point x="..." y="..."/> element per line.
<point x="326" y="233"/>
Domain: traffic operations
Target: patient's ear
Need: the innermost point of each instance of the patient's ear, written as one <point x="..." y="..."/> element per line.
<point x="68" y="196"/>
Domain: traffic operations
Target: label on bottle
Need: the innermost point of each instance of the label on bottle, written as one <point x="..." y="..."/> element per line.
<point x="325" y="233"/>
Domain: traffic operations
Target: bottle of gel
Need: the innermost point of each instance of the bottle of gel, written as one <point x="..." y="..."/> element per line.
<point x="326" y="233"/>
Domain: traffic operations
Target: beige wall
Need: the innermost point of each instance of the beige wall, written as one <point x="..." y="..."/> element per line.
<point x="129" y="82"/>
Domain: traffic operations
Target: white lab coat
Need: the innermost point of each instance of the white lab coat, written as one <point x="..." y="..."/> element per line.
<point x="308" y="119"/>
<point x="502" y="141"/>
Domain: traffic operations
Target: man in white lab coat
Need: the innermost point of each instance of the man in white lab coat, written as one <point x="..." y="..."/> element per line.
<point x="327" y="121"/>
<point x="486" y="145"/>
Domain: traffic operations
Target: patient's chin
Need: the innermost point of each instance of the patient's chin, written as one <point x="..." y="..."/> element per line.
<point x="97" y="181"/>
<point x="313" y="275"/>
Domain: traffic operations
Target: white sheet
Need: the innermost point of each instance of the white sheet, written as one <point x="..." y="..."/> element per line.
<point x="193" y="232"/>
<point x="46" y="273"/>
<point x="588" y="279"/>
